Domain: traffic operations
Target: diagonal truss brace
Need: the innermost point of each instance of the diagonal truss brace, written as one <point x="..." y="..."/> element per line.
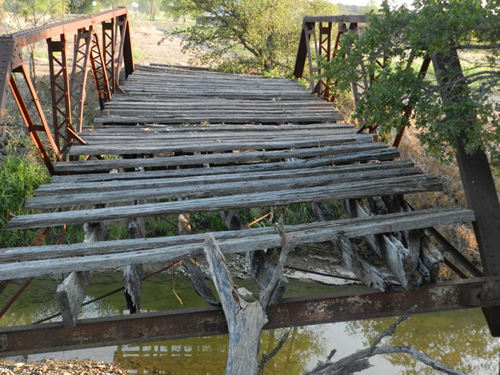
<point x="78" y="80"/>
<point x="99" y="71"/>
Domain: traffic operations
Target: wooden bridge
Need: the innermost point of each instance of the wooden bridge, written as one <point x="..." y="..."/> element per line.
<point x="176" y="140"/>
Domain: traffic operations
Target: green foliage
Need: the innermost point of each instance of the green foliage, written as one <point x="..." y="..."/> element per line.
<point x="19" y="177"/>
<point x="34" y="12"/>
<point x="246" y="36"/>
<point x="392" y="48"/>
<point x="79" y="6"/>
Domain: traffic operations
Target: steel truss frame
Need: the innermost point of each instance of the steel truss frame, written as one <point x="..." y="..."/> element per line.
<point x="474" y="169"/>
<point x="66" y="87"/>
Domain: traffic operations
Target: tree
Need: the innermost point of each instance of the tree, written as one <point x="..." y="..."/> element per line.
<point x="247" y="35"/>
<point x="391" y="50"/>
<point x="79" y="6"/>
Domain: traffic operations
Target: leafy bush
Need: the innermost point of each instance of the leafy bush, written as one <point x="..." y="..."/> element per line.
<point x="19" y="177"/>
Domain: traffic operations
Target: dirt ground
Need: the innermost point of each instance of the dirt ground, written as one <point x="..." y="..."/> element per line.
<point x="52" y="367"/>
<point x="149" y="43"/>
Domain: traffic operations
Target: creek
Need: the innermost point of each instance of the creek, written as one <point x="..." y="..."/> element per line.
<point x="459" y="339"/>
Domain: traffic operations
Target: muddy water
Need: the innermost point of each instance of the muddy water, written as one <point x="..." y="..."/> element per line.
<point x="459" y="339"/>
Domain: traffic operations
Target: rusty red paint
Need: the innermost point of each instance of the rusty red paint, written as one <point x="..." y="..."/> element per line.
<point x="208" y="321"/>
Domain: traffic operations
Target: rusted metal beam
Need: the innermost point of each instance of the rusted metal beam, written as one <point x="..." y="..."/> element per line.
<point x="37" y="34"/>
<point x="79" y="72"/>
<point x="210" y="320"/>
<point x="300" y="60"/>
<point x="344" y="18"/>
<point x="7" y="45"/>
<point x="108" y="51"/>
<point x="99" y="71"/>
<point x="476" y="176"/>
<point x="128" y="59"/>
<point x="60" y="92"/>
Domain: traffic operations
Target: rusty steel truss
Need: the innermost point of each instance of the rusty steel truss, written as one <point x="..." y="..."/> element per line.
<point x="474" y="168"/>
<point x="67" y="84"/>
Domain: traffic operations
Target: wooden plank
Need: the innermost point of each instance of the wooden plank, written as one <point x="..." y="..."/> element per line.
<point x="274" y="198"/>
<point x="338" y="154"/>
<point x="120" y="253"/>
<point x="140" y="147"/>
<point x="186" y="189"/>
<point x="300" y="164"/>
<point x="144" y="136"/>
<point x="275" y="119"/>
<point x="179" y="129"/>
<point x="161" y="181"/>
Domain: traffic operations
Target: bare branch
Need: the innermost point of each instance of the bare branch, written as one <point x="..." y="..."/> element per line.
<point x="266" y="357"/>
<point x="286" y="247"/>
<point x="359" y="361"/>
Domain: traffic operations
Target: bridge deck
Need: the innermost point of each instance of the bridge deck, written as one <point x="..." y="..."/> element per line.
<point x="193" y="141"/>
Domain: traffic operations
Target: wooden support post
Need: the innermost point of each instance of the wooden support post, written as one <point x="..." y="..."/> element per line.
<point x="71" y="292"/>
<point x="260" y="264"/>
<point x="245" y="320"/>
<point x="70" y="295"/>
<point x="132" y="274"/>
<point x="352" y="260"/>
<point x="476" y="177"/>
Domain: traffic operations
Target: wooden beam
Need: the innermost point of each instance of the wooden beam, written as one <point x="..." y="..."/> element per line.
<point x="41" y="260"/>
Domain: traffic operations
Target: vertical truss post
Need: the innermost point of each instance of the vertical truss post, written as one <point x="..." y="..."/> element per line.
<point x="408" y="109"/>
<point x="124" y="49"/>
<point x="61" y="98"/>
<point x="108" y="51"/>
<point x="7" y="45"/>
<point x="127" y="49"/>
<point x="476" y="177"/>
<point x="325" y="46"/>
<point x="99" y="71"/>
<point x="300" y="60"/>
<point x="78" y="81"/>
<point x="310" y="29"/>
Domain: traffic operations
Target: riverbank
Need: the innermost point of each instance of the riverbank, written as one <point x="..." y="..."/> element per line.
<point x="53" y="367"/>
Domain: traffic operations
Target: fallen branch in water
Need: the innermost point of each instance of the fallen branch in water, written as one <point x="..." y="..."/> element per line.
<point x="358" y="361"/>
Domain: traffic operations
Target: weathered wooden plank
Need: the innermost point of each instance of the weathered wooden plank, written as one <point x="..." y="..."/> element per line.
<point x="191" y="190"/>
<point x="339" y="154"/>
<point x="140" y="147"/>
<point x="150" y="134"/>
<point x="42" y="260"/>
<point x="264" y="119"/>
<point x="273" y="198"/>
<point x="299" y="165"/>
<point x="209" y="128"/>
<point x="342" y="174"/>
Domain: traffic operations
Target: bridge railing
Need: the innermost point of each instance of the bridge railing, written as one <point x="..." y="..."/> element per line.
<point x="101" y="43"/>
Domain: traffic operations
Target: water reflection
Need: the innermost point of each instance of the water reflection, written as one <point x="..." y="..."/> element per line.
<point x="459" y="339"/>
<point x="208" y="355"/>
